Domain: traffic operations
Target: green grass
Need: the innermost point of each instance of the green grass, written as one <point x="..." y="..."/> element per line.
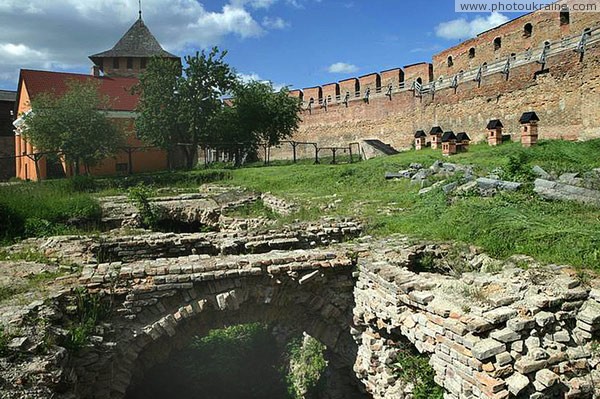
<point x="31" y="210"/>
<point x="554" y="232"/>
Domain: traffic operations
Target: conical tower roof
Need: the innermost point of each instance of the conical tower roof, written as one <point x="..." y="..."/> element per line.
<point x="138" y="42"/>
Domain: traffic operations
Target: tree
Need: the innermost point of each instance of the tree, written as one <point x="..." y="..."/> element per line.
<point x="73" y="124"/>
<point x="177" y="111"/>
<point x="265" y="115"/>
<point x="207" y="79"/>
<point x="158" y="121"/>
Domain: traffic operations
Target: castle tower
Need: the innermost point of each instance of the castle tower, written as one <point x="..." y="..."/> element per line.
<point x="129" y="57"/>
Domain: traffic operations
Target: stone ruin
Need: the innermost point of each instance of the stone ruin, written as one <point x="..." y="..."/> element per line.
<point x="490" y="329"/>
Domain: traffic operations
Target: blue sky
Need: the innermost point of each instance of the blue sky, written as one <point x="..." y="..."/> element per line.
<point x="300" y="43"/>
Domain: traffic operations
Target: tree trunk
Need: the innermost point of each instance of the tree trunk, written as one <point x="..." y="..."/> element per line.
<point x="38" y="173"/>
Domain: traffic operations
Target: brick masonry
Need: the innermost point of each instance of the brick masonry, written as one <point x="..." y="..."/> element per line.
<point x="563" y="92"/>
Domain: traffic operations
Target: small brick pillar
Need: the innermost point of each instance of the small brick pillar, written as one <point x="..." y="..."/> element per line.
<point x="463" y="140"/>
<point x="494" y="128"/>
<point x="529" y="129"/>
<point x="448" y="143"/>
<point x="436" y="137"/>
<point x="420" y="140"/>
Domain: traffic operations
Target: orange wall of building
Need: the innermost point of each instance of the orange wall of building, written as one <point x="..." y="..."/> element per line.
<point x="143" y="159"/>
<point x="25" y="166"/>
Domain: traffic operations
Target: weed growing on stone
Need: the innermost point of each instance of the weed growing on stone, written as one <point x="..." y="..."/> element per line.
<point x="252" y="210"/>
<point x="89" y="310"/>
<point x="413" y="368"/>
<point x="27" y="255"/>
<point x="140" y="197"/>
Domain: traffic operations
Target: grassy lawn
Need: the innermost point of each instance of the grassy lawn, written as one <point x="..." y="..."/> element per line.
<point x="553" y="232"/>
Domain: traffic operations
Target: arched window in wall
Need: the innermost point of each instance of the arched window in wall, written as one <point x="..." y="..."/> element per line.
<point x="472" y="52"/>
<point x="420" y="81"/>
<point x="497" y="43"/>
<point x="378" y="82"/>
<point x="528" y="30"/>
<point x="565" y="18"/>
<point x="450" y="62"/>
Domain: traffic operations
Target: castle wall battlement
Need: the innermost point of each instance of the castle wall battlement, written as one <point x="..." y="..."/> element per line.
<point x="559" y="80"/>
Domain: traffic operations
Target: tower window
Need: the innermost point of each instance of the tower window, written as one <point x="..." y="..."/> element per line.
<point x="115" y="63"/>
<point x="450" y="62"/>
<point x="497" y="43"/>
<point x="565" y="18"/>
<point x="472" y="52"/>
<point x="527" y="30"/>
<point x="129" y="63"/>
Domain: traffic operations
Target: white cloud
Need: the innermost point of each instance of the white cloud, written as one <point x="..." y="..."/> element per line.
<point x="342" y="67"/>
<point x="462" y="28"/>
<point x="60" y="34"/>
<point x="275" y="23"/>
<point x="255" y="3"/>
<point x="254" y="77"/>
<point x="427" y="49"/>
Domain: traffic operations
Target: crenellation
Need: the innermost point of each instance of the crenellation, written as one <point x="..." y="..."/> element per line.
<point x="482" y="83"/>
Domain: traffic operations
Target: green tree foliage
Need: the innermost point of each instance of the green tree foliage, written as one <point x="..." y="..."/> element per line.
<point x="305" y="377"/>
<point x="265" y="117"/>
<point x="175" y="109"/>
<point x="158" y="121"/>
<point x="73" y="124"/>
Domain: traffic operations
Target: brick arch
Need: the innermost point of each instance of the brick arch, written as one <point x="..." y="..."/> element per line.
<point x="301" y="296"/>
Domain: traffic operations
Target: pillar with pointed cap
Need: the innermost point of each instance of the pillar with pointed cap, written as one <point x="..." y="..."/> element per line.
<point x="129" y="57"/>
<point x="449" y="143"/>
<point x="494" y="128"/>
<point x="436" y="137"/>
<point x="420" y="140"/>
<point x="529" y="129"/>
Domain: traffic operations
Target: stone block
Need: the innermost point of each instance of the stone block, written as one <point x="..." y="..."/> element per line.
<point x="590" y="312"/>
<point x="546" y="377"/>
<point x="500" y="315"/>
<point x="520" y="324"/>
<point x="544" y="319"/>
<point x="527" y="365"/>
<point x="517" y="383"/>
<point x="505" y="335"/>
<point x="487" y="348"/>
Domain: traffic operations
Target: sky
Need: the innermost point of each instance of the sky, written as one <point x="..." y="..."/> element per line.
<point x="297" y="43"/>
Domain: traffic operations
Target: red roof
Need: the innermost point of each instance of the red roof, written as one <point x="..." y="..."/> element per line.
<point x="116" y="88"/>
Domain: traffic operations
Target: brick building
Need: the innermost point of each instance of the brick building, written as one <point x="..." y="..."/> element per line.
<point x="7" y="141"/>
<point x="117" y="72"/>
<point x="547" y="62"/>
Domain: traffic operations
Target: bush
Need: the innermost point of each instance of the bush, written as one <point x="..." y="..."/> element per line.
<point x="32" y="210"/>
<point x="82" y="184"/>
<point x="140" y="196"/>
<point x="305" y="378"/>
